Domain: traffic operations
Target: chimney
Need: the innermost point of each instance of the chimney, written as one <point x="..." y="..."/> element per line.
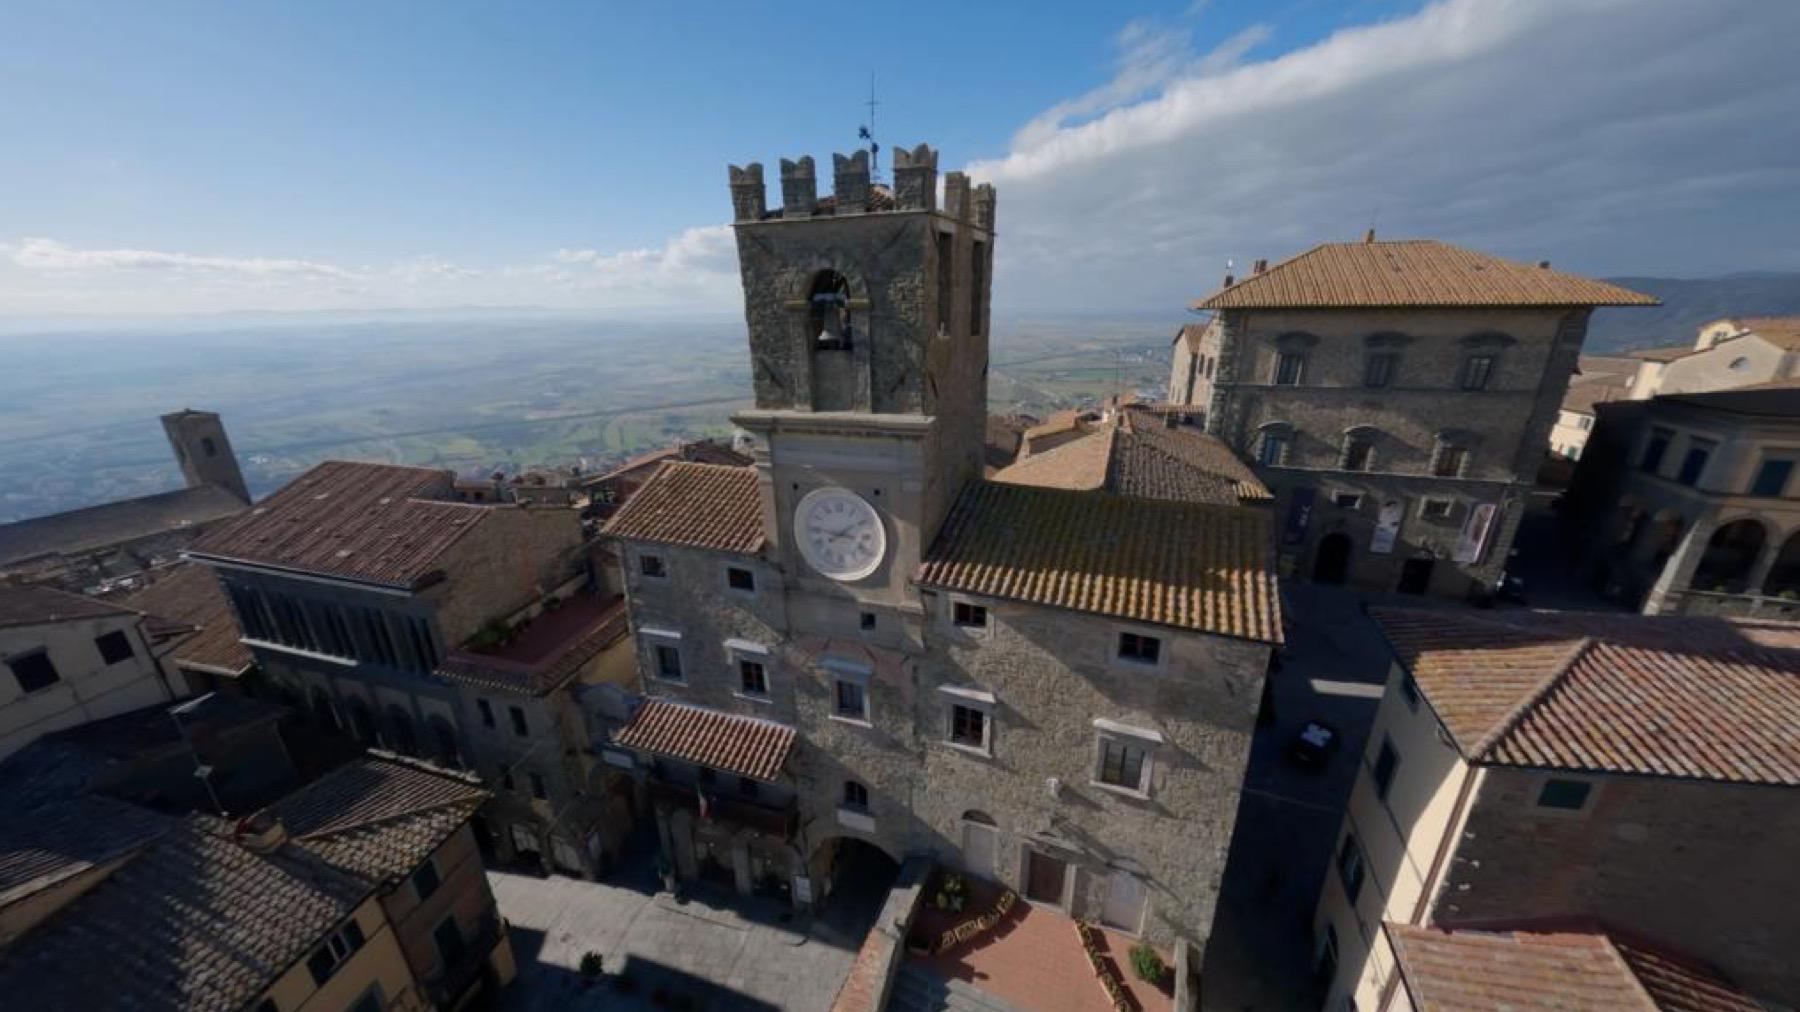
<point x="261" y="833"/>
<point x="1543" y="265"/>
<point x="1261" y="265"/>
<point x="1228" y="280"/>
<point x="1369" y="236"/>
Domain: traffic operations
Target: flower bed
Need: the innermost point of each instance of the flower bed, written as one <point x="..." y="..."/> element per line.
<point x="1103" y="971"/>
<point x="977" y="926"/>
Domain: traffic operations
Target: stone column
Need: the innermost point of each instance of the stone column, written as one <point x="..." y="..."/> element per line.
<point x="740" y="867"/>
<point x="1678" y="572"/>
<point x="1765" y="562"/>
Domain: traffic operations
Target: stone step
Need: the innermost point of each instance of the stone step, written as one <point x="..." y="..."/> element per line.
<point x="918" y="989"/>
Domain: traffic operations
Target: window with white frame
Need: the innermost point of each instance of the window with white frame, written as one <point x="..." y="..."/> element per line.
<point x="1290" y="368"/>
<point x="1437" y="509"/>
<point x="1477" y="372"/>
<point x="969" y="726"/>
<point x="856" y="796"/>
<point x="1139" y="648"/>
<point x="1347" y="500"/>
<point x="849" y="689"/>
<point x="750" y="668"/>
<point x="753" y="678"/>
<point x="1276" y="441"/>
<point x="1350" y="867"/>
<point x="668" y="661"/>
<point x="1124" y="755"/>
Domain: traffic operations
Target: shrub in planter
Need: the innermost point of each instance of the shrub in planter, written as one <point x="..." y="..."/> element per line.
<point x="592" y="964"/>
<point x="1148" y="964"/>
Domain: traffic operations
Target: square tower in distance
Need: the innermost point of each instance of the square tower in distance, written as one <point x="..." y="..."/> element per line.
<point x="203" y="451"/>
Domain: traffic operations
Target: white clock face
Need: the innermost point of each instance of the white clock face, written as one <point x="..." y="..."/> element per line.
<point x="840" y="535"/>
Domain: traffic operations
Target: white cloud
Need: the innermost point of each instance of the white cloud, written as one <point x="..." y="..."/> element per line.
<point x="1608" y="135"/>
<point x="38" y="254"/>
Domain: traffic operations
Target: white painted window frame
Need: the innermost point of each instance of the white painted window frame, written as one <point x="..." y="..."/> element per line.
<point x="1147" y="740"/>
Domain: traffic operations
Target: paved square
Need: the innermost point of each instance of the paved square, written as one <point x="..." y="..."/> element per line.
<point x="713" y="951"/>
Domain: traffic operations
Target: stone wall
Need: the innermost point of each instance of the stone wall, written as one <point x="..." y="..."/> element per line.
<point x="1697" y="866"/>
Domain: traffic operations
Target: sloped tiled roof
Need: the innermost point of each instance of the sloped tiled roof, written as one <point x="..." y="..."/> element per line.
<point x="381" y="815"/>
<point x="1686" y="697"/>
<point x="35" y="605"/>
<point x="67" y="837"/>
<point x="190" y="596"/>
<point x="1145" y="460"/>
<point x="1193" y="566"/>
<point x="1412" y="273"/>
<point x="1582" y="397"/>
<point x="194" y="922"/>
<point x="376" y="523"/>
<point x="1781" y="331"/>
<point x="1463" y="970"/>
<point x="714" y="506"/>
<point x="113" y="523"/>
<point x="747" y="746"/>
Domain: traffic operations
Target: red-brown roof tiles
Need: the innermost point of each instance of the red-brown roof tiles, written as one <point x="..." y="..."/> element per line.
<point x="192" y="598"/>
<point x="1702" y="698"/>
<point x="747" y="746"/>
<point x="714" y="506"/>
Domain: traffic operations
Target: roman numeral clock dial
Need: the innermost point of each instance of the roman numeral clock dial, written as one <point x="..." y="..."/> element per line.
<point x="840" y="534"/>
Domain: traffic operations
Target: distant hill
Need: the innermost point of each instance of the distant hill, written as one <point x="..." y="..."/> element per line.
<point x="1687" y="303"/>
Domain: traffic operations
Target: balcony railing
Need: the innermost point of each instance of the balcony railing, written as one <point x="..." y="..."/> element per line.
<point x="1709" y="602"/>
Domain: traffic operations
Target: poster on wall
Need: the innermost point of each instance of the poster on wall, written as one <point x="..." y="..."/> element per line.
<point x="1387" y="527"/>
<point x="1299" y="516"/>
<point x="1475" y="532"/>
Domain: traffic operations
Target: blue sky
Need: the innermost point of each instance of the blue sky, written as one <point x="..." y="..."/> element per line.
<point x="175" y="157"/>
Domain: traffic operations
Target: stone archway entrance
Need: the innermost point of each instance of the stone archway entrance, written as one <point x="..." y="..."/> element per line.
<point x="851" y="878"/>
<point x="1332" y="563"/>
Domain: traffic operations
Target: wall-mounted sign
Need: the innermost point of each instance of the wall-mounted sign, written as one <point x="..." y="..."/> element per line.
<point x="802" y="889"/>
<point x="1387" y="526"/>
<point x="1299" y="516"/>
<point x="1476" y="531"/>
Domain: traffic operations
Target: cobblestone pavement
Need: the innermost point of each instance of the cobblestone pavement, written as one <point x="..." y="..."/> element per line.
<point x="715" y="951"/>
<point x="1334" y="667"/>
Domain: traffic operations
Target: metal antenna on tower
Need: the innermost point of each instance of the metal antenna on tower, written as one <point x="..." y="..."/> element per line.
<point x="867" y="133"/>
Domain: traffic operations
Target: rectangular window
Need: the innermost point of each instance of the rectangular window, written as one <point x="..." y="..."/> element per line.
<point x="538" y="790"/>
<point x="1693" y="463"/>
<point x="34" y="671"/>
<point x="1359" y="453"/>
<point x="738" y="578"/>
<point x="1656" y="449"/>
<point x="969" y="616"/>
<point x="652" y="566"/>
<point x="1477" y="371"/>
<point x="487" y="712"/>
<point x="1289" y="367"/>
<point x="1409" y="691"/>
<point x="1122" y="763"/>
<point x="114" y="646"/>
<point x="852" y="701"/>
<point x="1772" y="477"/>
<point x="1386" y="762"/>
<point x="339" y="947"/>
<point x="1139" y="648"/>
<point x="968" y="726"/>
<point x="1585" y="423"/>
<point x="1350" y="867"/>
<point x="425" y="880"/>
<point x="1273" y="451"/>
<point x="518" y="721"/>
<point x="451" y="947"/>
<point x="668" y="662"/>
<point x="867" y="621"/>
<point x="1379" y="370"/>
<point x="1436" y="509"/>
<point x="753" y="678"/>
<point x="1569" y="795"/>
<point x="1347" y="500"/>
<point x="1450" y="462"/>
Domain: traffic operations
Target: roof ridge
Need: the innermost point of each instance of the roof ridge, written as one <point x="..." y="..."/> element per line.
<point x="1527" y="702"/>
<point x="1618" y="958"/>
<point x="410" y="763"/>
<point x="702" y="708"/>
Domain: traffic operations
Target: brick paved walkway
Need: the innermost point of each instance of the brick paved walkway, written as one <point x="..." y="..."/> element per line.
<point x="1033" y="960"/>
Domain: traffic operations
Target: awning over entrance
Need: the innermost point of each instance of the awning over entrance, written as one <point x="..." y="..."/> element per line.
<point x="746" y="746"/>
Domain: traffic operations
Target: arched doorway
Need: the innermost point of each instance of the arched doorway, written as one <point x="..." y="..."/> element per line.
<point x="1731" y="553"/>
<point x="852" y="871"/>
<point x="1332" y="563"/>
<point x="1784" y="576"/>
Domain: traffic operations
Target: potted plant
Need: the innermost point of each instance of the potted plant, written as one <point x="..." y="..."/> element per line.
<point x="1148" y="964"/>
<point x="592" y="964"/>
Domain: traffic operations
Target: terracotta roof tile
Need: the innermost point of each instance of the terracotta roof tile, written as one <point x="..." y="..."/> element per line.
<point x="377" y="523"/>
<point x="1781" y="331"/>
<point x="747" y="746"/>
<point x="381" y="815"/>
<point x="1144" y="459"/>
<point x="84" y="530"/>
<point x="1582" y="397"/>
<point x="713" y="506"/>
<point x="190" y="596"/>
<point x="1412" y="273"/>
<point x="1464" y="970"/>
<point x="35" y="605"/>
<point x="1193" y="566"/>
<point x="1685" y="697"/>
<point x="606" y="623"/>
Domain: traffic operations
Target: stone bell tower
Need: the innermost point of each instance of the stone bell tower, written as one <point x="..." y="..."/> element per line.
<point x="203" y="451"/>
<point x="867" y="313"/>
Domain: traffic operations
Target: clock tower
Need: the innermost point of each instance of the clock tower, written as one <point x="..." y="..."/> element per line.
<point x="868" y="329"/>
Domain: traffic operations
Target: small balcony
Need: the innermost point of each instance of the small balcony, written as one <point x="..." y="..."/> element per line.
<point x="556" y="645"/>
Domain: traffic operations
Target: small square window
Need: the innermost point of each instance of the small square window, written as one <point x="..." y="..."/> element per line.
<point x="852" y="700"/>
<point x="1122" y="763"/>
<point x="968" y="726"/>
<point x="520" y="728"/>
<point x="1477" y="371"/>
<point x="1569" y="795"/>
<point x="1350" y="867"/>
<point x="1655" y="450"/>
<point x="1386" y="762"/>
<point x="537" y="787"/>
<point x="1436" y="509"/>
<point x="114" y="647"/>
<point x="1347" y="500"/>
<point x="668" y="662"/>
<point x="753" y="678"/>
<point x="969" y="616"/>
<point x="1289" y="368"/>
<point x="425" y="880"/>
<point x="856" y="796"/>
<point x="487" y="712"/>
<point x="652" y="566"/>
<point x="1772" y="477"/>
<point x="1139" y="648"/>
<point x="867" y="621"/>
<point x="738" y="578"/>
<point x="33" y="671"/>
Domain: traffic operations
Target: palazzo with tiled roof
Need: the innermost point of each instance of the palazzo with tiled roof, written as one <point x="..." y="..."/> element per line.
<point x="858" y="651"/>
<point x="1396" y="397"/>
<point x="1528" y="768"/>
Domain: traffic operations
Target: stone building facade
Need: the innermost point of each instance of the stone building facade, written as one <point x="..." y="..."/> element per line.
<point x="1688" y="503"/>
<point x="1501" y="787"/>
<point x="1396" y="397"/>
<point x="845" y="637"/>
<point x="461" y="632"/>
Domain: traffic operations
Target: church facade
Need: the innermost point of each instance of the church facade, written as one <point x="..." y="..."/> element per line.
<point x="857" y="651"/>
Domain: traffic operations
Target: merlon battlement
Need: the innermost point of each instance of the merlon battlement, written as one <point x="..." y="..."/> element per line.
<point x="915" y="189"/>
